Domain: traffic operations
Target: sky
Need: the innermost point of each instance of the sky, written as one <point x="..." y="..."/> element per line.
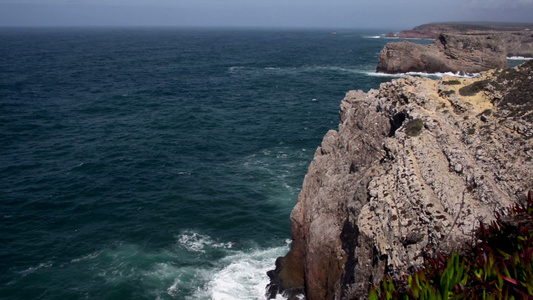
<point x="379" y="14"/>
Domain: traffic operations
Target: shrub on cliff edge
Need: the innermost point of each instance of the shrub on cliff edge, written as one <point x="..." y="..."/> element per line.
<point x="499" y="266"/>
<point x="414" y="127"/>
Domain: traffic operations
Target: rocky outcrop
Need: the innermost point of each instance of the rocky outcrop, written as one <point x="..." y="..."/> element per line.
<point x="432" y="30"/>
<point x="516" y="39"/>
<point x="418" y="34"/>
<point x="518" y="43"/>
<point x="417" y="163"/>
<point x="449" y="53"/>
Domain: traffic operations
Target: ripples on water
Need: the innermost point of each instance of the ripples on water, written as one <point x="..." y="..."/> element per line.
<point x="160" y="163"/>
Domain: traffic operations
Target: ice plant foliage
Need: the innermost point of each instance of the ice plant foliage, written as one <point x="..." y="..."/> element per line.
<point x="498" y="266"/>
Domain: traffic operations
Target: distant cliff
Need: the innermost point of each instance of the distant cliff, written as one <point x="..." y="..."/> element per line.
<point x="417" y="163"/>
<point x="449" y="53"/>
<point x="432" y="30"/>
<point x="516" y="38"/>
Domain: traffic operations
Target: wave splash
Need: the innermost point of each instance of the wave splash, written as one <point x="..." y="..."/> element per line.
<point x="423" y="74"/>
<point x="243" y="275"/>
<point x="363" y="71"/>
<point x="196" y="267"/>
<point x="195" y="242"/>
<point x="519" y="58"/>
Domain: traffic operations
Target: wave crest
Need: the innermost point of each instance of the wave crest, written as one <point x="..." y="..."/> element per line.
<point x="423" y="74"/>
<point x="195" y="242"/>
<point x="519" y="58"/>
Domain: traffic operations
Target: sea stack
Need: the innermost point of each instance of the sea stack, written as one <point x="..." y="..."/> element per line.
<point x="449" y="53"/>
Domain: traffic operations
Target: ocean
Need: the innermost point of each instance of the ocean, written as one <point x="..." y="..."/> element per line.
<point x="161" y="163"/>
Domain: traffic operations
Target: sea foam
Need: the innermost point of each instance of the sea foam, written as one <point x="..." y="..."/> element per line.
<point x="243" y="275"/>
<point x="195" y="242"/>
<point x="519" y="58"/>
<point x="423" y="74"/>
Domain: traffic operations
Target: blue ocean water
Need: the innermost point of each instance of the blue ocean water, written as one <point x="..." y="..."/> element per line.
<point x="161" y="163"/>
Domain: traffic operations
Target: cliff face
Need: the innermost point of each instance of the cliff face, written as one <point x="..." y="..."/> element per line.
<point x="518" y="43"/>
<point x="473" y="27"/>
<point x="413" y="164"/>
<point x="434" y="29"/>
<point x="516" y="39"/>
<point x="449" y="53"/>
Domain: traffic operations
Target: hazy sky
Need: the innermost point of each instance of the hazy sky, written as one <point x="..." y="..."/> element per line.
<point x="382" y="14"/>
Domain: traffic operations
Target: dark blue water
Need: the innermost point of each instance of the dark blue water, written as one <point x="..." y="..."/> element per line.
<point x="161" y="163"/>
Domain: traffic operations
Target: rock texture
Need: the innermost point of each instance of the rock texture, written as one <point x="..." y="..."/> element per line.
<point x="417" y="163"/>
<point x="517" y="39"/>
<point x="449" y="53"/>
<point x="418" y="34"/>
<point x="518" y="43"/>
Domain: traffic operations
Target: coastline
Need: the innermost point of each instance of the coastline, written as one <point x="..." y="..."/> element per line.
<point x="382" y="187"/>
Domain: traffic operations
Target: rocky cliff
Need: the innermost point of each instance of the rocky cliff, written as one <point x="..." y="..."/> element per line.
<point x="518" y="43"/>
<point x="516" y="39"/>
<point x="449" y="53"/>
<point x="432" y="30"/>
<point x="417" y="163"/>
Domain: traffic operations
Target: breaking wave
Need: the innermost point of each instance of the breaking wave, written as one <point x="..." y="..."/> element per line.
<point x="423" y="74"/>
<point x="197" y="267"/>
<point x="242" y="275"/>
<point x="519" y="58"/>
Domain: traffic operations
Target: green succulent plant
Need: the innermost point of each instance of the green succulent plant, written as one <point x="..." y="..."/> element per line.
<point x="498" y="266"/>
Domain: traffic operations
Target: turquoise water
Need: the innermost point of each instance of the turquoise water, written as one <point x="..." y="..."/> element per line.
<point x="161" y="163"/>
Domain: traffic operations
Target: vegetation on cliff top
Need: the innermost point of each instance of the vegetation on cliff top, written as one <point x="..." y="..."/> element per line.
<point x="414" y="127"/>
<point x="499" y="265"/>
<point x="518" y="101"/>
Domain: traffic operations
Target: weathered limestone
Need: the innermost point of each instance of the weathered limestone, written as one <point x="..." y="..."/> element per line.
<point x="416" y="163"/>
<point x="517" y="39"/>
<point x="449" y="53"/>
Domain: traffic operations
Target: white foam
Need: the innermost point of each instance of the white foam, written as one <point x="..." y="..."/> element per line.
<point x="31" y="270"/>
<point x="338" y="69"/>
<point x="234" y="68"/>
<point x="243" y="276"/>
<point x="372" y="36"/>
<point x="379" y="74"/>
<point x="422" y="74"/>
<point x="86" y="257"/>
<point x="195" y="242"/>
<point x="458" y="74"/>
<point x="238" y="274"/>
<point x="173" y="290"/>
<point x="519" y="58"/>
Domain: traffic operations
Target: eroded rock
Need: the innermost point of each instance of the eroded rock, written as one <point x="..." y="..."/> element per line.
<point x="449" y="53"/>
<point x="375" y="197"/>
